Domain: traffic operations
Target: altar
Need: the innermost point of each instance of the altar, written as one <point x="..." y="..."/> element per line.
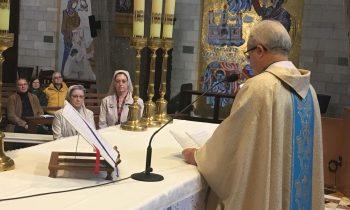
<point x="182" y="185"/>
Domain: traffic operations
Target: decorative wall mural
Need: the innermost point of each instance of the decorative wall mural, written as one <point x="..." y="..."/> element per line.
<point x="124" y="6"/>
<point x="75" y="42"/>
<point x="225" y="29"/>
<point x="216" y="72"/>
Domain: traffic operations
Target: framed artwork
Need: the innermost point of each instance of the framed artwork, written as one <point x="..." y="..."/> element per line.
<point x="75" y="44"/>
<point x="225" y="28"/>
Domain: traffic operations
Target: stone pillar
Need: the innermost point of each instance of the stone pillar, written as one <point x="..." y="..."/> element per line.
<point x="104" y="42"/>
<point x="186" y="44"/>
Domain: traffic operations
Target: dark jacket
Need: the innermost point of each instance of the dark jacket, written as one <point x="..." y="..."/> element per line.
<point x="41" y="96"/>
<point x="14" y="110"/>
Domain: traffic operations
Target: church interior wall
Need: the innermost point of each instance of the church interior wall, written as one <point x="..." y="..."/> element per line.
<point x="324" y="48"/>
<point x="37" y="33"/>
<point x="325" y="51"/>
<point x="186" y="43"/>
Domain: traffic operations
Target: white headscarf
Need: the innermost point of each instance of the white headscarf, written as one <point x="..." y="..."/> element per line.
<point x="112" y="90"/>
<point x="82" y="109"/>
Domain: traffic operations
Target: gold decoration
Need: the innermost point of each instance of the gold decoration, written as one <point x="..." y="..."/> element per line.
<point x="162" y="117"/>
<point x="168" y="19"/>
<point x="133" y="123"/>
<point x="139" y="16"/>
<point x="6" y="41"/>
<point x="150" y="107"/>
<point x="156" y="18"/>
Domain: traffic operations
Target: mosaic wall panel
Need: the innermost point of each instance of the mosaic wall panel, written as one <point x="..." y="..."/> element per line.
<point x="225" y="28"/>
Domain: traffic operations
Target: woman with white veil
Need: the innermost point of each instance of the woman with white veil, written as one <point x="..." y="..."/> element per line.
<point x="114" y="108"/>
<point x="75" y="96"/>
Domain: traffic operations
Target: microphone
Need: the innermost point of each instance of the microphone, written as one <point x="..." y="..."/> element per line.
<point x="147" y="176"/>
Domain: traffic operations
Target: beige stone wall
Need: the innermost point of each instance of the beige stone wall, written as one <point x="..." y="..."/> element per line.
<point x="325" y="50"/>
<point x="37" y="33"/>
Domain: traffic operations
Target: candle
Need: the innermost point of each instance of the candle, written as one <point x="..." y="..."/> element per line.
<point x="4" y="19"/>
<point x="168" y="19"/>
<point x="139" y="23"/>
<point x="169" y="7"/>
<point x="157" y="6"/>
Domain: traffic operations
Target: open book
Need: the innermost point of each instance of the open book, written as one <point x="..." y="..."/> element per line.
<point x="193" y="139"/>
<point x="89" y="133"/>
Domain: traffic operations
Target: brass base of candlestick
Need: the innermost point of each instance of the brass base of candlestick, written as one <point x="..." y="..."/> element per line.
<point x="6" y="41"/>
<point x="6" y="163"/>
<point x="148" y="115"/>
<point x="162" y="117"/>
<point x="133" y="123"/>
<point x="138" y="42"/>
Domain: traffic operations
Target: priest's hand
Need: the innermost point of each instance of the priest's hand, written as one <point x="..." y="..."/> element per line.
<point x="188" y="155"/>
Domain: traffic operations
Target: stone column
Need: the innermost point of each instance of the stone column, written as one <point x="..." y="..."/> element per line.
<point x="104" y="42"/>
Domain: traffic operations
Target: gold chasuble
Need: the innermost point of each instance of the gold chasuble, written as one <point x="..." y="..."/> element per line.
<point x="267" y="155"/>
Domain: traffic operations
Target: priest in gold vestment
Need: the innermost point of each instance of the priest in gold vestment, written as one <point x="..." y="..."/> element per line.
<point x="267" y="154"/>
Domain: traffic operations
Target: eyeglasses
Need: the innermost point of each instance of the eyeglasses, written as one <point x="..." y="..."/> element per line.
<point x="246" y="53"/>
<point x="78" y="96"/>
<point x="22" y="85"/>
<point x="121" y="81"/>
<point x="58" y="77"/>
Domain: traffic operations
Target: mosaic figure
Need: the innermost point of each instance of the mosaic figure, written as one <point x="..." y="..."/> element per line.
<point x="70" y="21"/>
<point x="77" y="65"/>
<point x="124" y="6"/>
<point x="216" y="72"/>
<point x="273" y="12"/>
<point x="225" y="33"/>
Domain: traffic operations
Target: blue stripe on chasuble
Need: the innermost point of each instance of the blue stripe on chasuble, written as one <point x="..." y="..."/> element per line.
<point x="302" y="152"/>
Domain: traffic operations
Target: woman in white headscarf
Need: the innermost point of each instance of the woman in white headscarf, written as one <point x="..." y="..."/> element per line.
<point x="75" y="96"/>
<point x="115" y="107"/>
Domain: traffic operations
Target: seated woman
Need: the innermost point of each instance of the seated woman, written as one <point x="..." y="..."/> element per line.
<point x="115" y="107"/>
<point x="36" y="90"/>
<point x="75" y="96"/>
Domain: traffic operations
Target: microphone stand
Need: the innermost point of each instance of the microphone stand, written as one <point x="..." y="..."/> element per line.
<point x="147" y="176"/>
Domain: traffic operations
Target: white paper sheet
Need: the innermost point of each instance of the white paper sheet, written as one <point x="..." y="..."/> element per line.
<point x="200" y="137"/>
<point x="184" y="140"/>
<point x="90" y="134"/>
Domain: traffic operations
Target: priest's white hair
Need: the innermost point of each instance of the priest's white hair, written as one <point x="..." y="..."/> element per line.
<point x="272" y="35"/>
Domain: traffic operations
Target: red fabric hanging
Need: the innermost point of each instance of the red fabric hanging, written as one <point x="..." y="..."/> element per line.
<point x="97" y="163"/>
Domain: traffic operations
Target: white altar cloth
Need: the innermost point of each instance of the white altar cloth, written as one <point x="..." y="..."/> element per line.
<point x="31" y="174"/>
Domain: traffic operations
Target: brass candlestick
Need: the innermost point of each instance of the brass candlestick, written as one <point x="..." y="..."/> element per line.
<point x="162" y="116"/>
<point x="150" y="107"/>
<point x="133" y="123"/>
<point x="6" y="41"/>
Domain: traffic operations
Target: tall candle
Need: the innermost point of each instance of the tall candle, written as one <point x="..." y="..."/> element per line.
<point x="157" y="6"/>
<point x="169" y="7"/>
<point x="139" y="20"/>
<point x="4" y="19"/>
<point x="168" y="18"/>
